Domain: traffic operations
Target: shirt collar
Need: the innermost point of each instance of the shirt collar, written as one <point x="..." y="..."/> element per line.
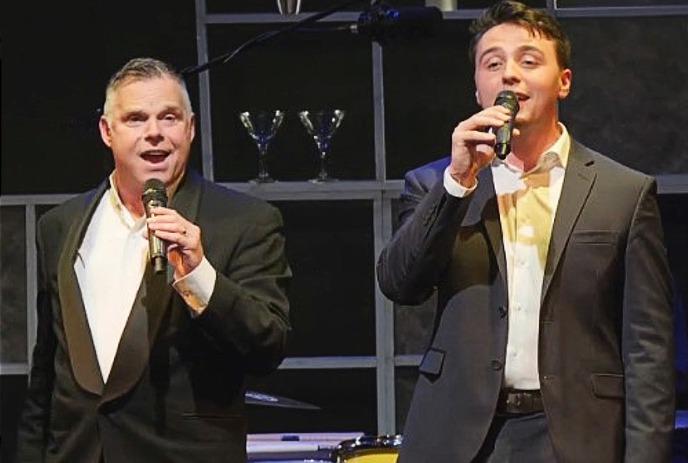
<point x="118" y="206"/>
<point x="556" y="155"/>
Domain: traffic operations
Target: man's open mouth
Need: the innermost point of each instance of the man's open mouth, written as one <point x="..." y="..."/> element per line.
<point x="155" y="156"/>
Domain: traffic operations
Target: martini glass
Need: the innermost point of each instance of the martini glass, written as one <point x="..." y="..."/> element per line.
<point x="262" y="127"/>
<point x="321" y="125"/>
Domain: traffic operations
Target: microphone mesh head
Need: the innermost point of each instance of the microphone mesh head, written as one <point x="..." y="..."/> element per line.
<point x="509" y="100"/>
<point x="154" y="190"/>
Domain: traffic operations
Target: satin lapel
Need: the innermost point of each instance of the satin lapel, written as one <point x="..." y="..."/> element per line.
<point x="82" y="354"/>
<point x="150" y="306"/>
<point x="133" y="350"/>
<point x="578" y="180"/>
<point x="484" y="208"/>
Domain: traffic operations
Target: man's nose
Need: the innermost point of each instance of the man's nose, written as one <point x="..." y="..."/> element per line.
<point x="512" y="72"/>
<point x="152" y="130"/>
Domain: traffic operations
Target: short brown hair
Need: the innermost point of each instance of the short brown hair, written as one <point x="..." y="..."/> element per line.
<point x="533" y="19"/>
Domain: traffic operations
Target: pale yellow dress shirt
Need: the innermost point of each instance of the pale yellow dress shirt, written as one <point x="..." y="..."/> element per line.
<point x="527" y="207"/>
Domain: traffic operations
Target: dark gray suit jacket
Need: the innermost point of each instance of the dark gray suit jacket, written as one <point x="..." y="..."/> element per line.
<point x="175" y="392"/>
<point x="606" y="339"/>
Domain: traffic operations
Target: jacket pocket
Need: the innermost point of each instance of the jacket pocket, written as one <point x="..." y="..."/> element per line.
<point x="594" y="237"/>
<point x="608" y="385"/>
<point x="432" y="362"/>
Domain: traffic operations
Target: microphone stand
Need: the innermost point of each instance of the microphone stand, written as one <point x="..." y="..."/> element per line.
<point x="267" y="36"/>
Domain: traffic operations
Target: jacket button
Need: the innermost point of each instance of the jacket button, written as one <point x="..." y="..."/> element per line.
<point x="502" y="311"/>
<point x="496" y="365"/>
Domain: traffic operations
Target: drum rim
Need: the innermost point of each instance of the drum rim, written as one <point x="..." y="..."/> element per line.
<point x="348" y="447"/>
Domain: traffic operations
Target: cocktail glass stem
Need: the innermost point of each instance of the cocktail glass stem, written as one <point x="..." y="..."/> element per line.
<point x="323" y="176"/>
<point x="263" y="175"/>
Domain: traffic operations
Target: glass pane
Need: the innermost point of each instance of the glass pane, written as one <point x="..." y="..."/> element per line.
<point x="330" y="250"/>
<point x="428" y="89"/>
<point x="13" y="292"/>
<point x="629" y="95"/>
<point x="302" y="71"/>
<point x="347" y="401"/>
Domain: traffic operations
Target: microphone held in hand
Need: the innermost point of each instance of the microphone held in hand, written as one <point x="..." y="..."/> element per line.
<point x="154" y="195"/>
<point x="509" y="100"/>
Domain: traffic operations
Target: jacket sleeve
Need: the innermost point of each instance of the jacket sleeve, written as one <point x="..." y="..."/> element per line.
<point x="249" y="308"/>
<point x="35" y="417"/>
<point x="647" y="337"/>
<point x="410" y="265"/>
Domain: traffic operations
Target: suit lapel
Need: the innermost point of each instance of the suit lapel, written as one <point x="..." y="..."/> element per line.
<point x="150" y="306"/>
<point x="578" y="181"/>
<point x="133" y="350"/>
<point x="82" y="354"/>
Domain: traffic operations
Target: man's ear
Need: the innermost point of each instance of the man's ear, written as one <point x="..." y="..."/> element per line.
<point x="105" y="131"/>
<point x="193" y="126"/>
<point x="565" y="83"/>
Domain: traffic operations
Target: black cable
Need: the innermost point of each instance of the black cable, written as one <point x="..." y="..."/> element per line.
<point x="265" y="36"/>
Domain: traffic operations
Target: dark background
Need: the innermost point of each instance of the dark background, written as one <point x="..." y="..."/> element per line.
<point x="628" y="101"/>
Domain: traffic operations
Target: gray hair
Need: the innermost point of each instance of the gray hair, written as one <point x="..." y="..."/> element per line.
<point x="143" y="69"/>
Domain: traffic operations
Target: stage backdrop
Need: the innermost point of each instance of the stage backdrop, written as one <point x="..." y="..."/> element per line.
<point x="353" y="353"/>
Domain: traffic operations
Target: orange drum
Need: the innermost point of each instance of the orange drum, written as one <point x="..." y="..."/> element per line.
<point x="368" y="449"/>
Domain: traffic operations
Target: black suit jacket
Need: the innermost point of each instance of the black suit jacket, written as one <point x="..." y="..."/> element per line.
<point x="606" y="340"/>
<point x="175" y="392"/>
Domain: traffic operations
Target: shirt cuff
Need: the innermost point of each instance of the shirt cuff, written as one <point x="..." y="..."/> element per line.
<point x="197" y="286"/>
<point x="454" y="188"/>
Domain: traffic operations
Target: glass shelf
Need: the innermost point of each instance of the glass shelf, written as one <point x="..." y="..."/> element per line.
<point x="341" y="189"/>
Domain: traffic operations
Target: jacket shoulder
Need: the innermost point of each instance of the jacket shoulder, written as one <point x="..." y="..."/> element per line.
<point x="607" y="166"/>
<point x="61" y="217"/>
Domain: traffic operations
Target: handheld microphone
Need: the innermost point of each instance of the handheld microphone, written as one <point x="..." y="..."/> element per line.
<point x="154" y="195"/>
<point x="382" y="21"/>
<point x="509" y="100"/>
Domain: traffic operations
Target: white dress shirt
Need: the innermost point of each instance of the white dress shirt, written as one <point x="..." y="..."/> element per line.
<point x="527" y="205"/>
<point x="110" y="265"/>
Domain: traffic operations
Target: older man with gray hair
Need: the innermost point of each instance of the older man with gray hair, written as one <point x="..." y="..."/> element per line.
<point x="135" y="365"/>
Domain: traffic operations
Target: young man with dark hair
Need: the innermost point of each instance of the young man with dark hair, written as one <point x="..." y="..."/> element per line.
<point x="553" y="338"/>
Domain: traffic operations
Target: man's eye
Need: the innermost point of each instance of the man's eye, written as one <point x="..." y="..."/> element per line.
<point x="135" y="120"/>
<point x="492" y="62"/>
<point x="170" y="118"/>
<point x="529" y="61"/>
